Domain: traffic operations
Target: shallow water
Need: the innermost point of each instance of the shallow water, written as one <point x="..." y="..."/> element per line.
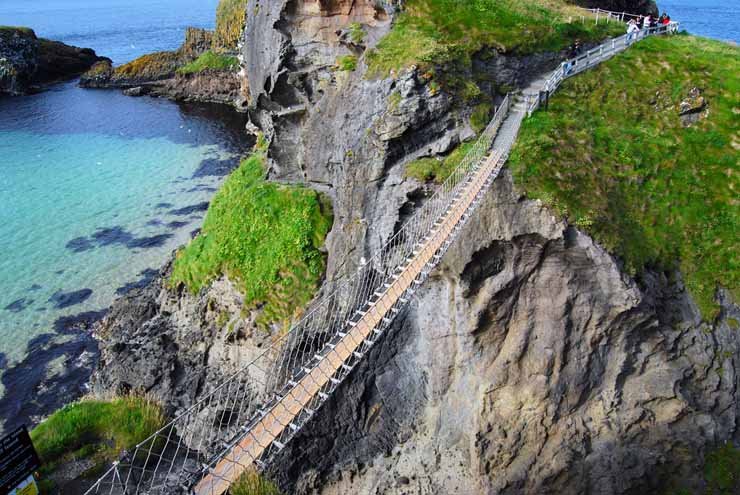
<point x="96" y="191"/>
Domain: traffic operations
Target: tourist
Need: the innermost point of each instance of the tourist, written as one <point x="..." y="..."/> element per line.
<point x="646" y="21"/>
<point x="666" y="19"/>
<point x="632" y="28"/>
<point x="573" y="52"/>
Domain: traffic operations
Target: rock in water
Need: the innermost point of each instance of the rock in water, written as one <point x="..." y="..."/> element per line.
<point x="28" y="62"/>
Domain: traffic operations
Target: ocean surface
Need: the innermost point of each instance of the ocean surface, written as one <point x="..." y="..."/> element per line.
<point x="96" y="191"/>
<point x="711" y="18"/>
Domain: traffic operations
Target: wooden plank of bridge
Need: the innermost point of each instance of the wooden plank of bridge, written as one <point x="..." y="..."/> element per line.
<point x="287" y="409"/>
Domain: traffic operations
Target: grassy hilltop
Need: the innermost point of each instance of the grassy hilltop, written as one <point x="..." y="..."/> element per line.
<point x="614" y="156"/>
<point x="431" y="32"/>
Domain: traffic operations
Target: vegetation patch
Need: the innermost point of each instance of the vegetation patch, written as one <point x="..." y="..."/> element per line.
<point x="95" y="429"/>
<point x="432" y="32"/>
<point x="722" y="471"/>
<point x="209" y="61"/>
<point x="152" y="66"/>
<point x="251" y="483"/>
<point x="438" y="169"/>
<point x="263" y="235"/>
<point x="347" y="63"/>
<point x="614" y="153"/>
<point x="17" y="29"/>
<point x="231" y="17"/>
<point x="481" y="117"/>
<point x="356" y="33"/>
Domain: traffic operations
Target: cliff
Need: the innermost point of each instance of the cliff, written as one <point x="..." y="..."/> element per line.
<point x="27" y="62"/>
<point x="533" y="361"/>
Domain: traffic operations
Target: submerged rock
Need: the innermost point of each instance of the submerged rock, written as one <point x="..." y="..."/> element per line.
<point x="28" y="62"/>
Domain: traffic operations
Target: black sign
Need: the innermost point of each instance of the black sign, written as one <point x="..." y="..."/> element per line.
<point x="18" y="460"/>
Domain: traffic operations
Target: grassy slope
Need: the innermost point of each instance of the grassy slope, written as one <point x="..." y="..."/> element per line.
<point x="231" y="16"/>
<point x="251" y="483"/>
<point x="97" y="429"/>
<point x="209" y="61"/>
<point x="612" y="155"/>
<point x="264" y="235"/>
<point x="433" y="32"/>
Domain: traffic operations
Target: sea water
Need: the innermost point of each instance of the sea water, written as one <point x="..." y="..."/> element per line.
<point x="96" y="191"/>
<point x="710" y="18"/>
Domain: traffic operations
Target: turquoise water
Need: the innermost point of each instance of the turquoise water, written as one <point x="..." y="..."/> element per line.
<point x="96" y="191"/>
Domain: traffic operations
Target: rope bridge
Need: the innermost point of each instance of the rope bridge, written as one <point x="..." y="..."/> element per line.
<point x="241" y="424"/>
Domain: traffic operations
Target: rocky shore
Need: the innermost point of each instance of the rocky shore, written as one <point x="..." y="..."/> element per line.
<point x="28" y="63"/>
<point x="166" y="74"/>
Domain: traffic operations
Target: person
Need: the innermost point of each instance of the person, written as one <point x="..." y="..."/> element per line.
<point x="573" y="52"/>
<point x="632" y="28"/>
<point x="646" y="21"/>
<point x="575" y="49"/>
<point x="666" y="19"/>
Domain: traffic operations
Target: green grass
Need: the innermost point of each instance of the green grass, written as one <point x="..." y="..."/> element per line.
<point x="722" y="471"/>
<point x="612" y="155"/>
<point x="209" y="61"/>
<point x="437" y="169"/>
<point x="481" y="117"/>
<point x="356" y="33"/>
<point x="251" y="483"/>
<point x="432" y="32"/>
<point x="231" y="17"/>
<point x="266" y="236"/>
<point x="721" y="474"/>
<point x="96" y="428"/>
<point x="347" y="63"/>
<point x="11" y="29"/>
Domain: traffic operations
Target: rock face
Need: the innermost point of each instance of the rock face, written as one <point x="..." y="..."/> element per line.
<point x="28" y="62"/>
<point x="529" y="364"/>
